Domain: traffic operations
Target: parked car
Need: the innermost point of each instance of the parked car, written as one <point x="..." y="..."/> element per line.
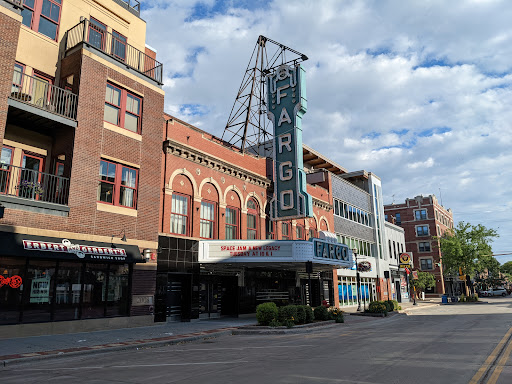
<point x="494" y="292"/>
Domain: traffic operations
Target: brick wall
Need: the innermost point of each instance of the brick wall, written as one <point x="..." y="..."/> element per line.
<point x="9" y="33"/>
<point x="91" y="142"/>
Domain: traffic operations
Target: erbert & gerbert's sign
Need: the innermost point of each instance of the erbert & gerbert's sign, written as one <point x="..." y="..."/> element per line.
<point x="99" y="253"/>
<point x="286" y="100"/>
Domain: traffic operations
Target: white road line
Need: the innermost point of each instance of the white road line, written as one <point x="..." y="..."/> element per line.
<point x="136" y="366"/>
<point x="233" y="349"/>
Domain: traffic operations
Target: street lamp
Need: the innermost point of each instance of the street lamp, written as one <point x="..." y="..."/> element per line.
<point x="358" y="280"/>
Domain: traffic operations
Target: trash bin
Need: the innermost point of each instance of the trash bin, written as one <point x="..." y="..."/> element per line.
<point x="444" y="299"/>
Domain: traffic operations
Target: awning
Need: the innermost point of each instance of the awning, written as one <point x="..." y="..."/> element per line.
<point x="16" y="244"/>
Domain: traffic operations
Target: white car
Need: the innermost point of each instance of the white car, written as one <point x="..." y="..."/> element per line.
<point x="494" y="292"/>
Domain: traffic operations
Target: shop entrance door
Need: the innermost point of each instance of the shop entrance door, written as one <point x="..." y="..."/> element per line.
<point x="174" y="300"/>
<point x="398" y="292"/>
<point x="210" y="300"/>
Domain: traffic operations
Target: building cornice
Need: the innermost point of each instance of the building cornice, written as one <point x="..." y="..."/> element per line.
<point x="322" y="204"/>
<point x="184" y="151"/>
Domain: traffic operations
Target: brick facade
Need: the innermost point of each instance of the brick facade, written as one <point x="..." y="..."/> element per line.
<point x="438" y="220"/>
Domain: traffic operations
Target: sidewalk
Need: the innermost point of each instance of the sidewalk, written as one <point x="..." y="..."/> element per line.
<point x="406" y="306"/>
<point x="26" y="348"/>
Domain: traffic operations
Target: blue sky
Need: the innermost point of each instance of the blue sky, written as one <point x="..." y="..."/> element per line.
<point x="419" y="93"/>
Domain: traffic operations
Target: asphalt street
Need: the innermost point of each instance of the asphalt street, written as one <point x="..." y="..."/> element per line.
<point x="463" y="343"/>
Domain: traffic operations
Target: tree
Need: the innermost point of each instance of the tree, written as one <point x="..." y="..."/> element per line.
<point x="467" y="248"/>
<point x="424" y="280"/>
<point x="507" y="268"/>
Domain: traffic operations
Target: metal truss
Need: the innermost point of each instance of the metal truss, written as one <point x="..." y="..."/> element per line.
<point x="248" y="126"/>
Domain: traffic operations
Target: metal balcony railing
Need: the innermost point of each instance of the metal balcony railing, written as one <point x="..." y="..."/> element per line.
<point x="133" y="4"/>
<point x="33" y="185"/>
<point x="114" y="46"/>
<point x="43" y="95"/>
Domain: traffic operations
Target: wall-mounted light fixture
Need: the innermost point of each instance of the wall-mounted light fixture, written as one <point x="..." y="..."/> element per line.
<point x="146" y="254"/>
<point x="122" y="238"/>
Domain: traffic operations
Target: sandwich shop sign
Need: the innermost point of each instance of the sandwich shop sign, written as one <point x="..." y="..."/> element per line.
<point x="286" y="98"/>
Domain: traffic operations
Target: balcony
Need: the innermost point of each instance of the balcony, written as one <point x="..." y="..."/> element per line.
<point x="114" y="46"/>
<point x="33" y="185"/>
<point x="41" y="94"/>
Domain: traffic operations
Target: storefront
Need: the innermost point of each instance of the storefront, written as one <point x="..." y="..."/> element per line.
<point x="212" y="278"/>
<point x="46" y="279"/>
<point x="348" y="292"/>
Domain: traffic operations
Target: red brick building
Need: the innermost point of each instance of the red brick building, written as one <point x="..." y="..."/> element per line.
<point x="80" y="181"/>
<point x="213" y="191"/>
<point x="422" y="218"/>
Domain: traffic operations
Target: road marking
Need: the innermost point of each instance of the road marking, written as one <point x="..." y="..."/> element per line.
<point x="235" y="349"/>
<point x="136" y="365"/>
<point x="497" y="371"/>
<point x="485" y="366"/>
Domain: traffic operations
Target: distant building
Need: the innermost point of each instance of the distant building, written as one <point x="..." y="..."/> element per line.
<point x="422" y="218"/>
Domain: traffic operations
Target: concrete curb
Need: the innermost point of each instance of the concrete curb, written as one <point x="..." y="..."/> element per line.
<point x="419" y="307"/>
<point x="305" y="328"/>
<point x="138" y="344"/>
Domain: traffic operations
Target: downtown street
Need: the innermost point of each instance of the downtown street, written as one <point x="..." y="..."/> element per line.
<point x="461" y="343"/>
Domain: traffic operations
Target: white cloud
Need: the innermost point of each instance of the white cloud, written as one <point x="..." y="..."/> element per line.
<point x="419" y="93"/>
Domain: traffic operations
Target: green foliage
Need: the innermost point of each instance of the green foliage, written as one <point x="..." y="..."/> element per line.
<point x="288" y="312"/>
<point x="266" y="312"/>
<point x="396" y="307"/>
<point x="321" y="313"/>
<point x="389" y="304"/>
<point x="506" y="268"/>
<point x="468" y="247"/>
<point x="301" y="314"/>
<point x="274" y="323"/>
<point x="425" y="280"/>
<point x="310" y="316"/>
<point x="377" y="307"/>
<point x="336" y="314"/>
<point x="289" y="323"/>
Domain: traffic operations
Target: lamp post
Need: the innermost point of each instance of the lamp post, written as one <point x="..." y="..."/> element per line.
<point x="358" y="280"/>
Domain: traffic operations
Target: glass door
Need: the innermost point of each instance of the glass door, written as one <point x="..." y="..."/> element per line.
<point x="41" y="90"/>
<point x="29" y="186"/>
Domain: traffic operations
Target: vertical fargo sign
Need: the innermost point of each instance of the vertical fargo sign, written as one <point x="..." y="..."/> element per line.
<point x="286" y="100"/>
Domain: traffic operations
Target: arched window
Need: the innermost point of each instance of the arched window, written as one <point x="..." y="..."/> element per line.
<point x="300" y="233"/>
<point x="181" y="206"/>
<point x="208" y="228"/>
<point x="232" y="217"/>
<point x="252" y="220"/>
<point x="313" y="232"/>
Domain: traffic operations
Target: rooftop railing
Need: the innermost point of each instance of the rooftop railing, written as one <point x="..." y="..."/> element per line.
<point x="43" y="95"/>
<point x="115" y="46"/>
<point x="133" y="4"/>
<point x="33" y="185"/>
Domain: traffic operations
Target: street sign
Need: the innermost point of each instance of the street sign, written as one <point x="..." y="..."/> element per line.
<point x="415" y="275"/>
<point x="402" y="266"/>
<point x="405" y="258"/>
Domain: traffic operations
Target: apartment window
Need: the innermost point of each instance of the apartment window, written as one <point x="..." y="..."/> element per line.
<point x="232" y="223"/>
<point x="389" y="246"/>
<point x="42" y="16"/>
<point x="252" y="220"/>
<point x="299" y="229"/>
<point x="422" y="230"/>
<point x="207" y="223"/>
<point x="97" y="34"/>
<point x="17" y="78"/>
<point x="285" y="230"/>
<point x="122" y="108"/>
<point x="426" y="264"/>
<point x="424" y="246"/>
<point x="117" y="184"/>
<point x="312" y="233"/>
<point x="394" y="249"/>
<point x="118" y="45"/>
<point x="5" y="168"/>
<point x="180" y="214"/>
<point x="398" y="219"/>
<point x="420" y="214"/>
